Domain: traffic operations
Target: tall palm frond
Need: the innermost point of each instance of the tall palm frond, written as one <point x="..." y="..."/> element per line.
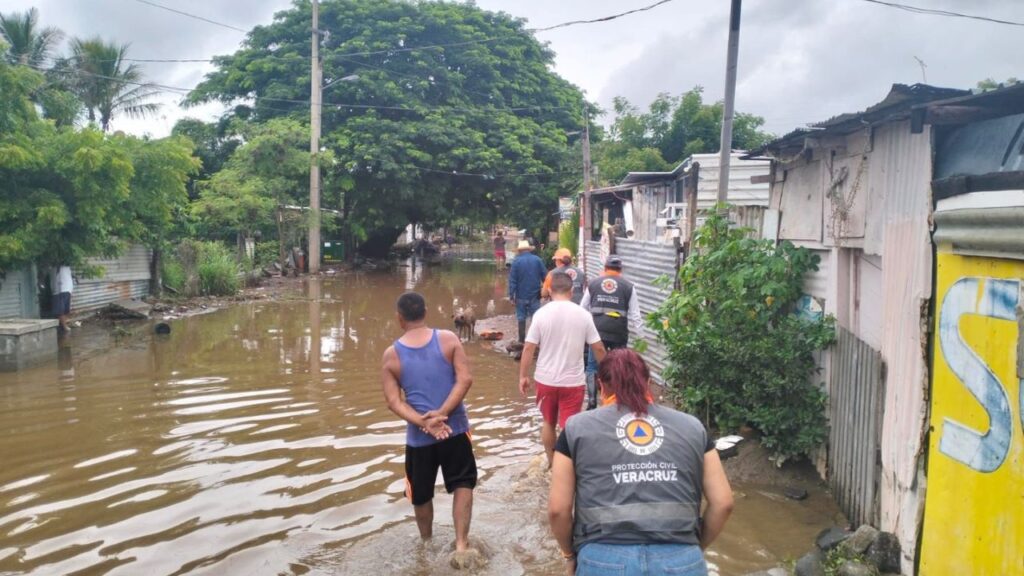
<point x="107" y="84"/>
<point x="28" y="44"/>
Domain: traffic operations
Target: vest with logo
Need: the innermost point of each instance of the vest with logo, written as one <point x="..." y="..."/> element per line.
<point x="638" y="479"/>
<point x="579" y="280"/>
<point x="609" y="303"/>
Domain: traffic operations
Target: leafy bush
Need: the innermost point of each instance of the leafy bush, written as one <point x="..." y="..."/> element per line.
<point x="738" y="353"/>
<point x="267" y="252"/>
<point x="217" y="270"/>
<point x="173" y="273"/>
<point x="568" y="233"/>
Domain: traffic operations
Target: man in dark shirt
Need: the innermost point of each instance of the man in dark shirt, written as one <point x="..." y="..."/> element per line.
<point x="524" y="282"/>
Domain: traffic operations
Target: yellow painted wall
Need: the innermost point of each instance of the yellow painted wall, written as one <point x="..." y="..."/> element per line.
<point x="974" y="507"/>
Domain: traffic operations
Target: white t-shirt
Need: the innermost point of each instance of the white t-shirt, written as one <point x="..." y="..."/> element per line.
<point x="560" y="329"/>
<point x="61" y="280"/>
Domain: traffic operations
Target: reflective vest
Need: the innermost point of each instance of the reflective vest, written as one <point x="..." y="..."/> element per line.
<point x="609" y="303"/>
<point x="638" y="479"/>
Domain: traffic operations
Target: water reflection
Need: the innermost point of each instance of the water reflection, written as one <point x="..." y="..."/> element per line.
<point x="255" y="433"/>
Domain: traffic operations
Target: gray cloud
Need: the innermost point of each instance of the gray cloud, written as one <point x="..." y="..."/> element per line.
<point x="800" y="60"/>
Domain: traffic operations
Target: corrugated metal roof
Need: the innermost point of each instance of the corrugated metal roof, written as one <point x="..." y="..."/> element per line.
<point x="982" y="224"/>
<point x="896" y="105"/>
<point x="983" y="147"/>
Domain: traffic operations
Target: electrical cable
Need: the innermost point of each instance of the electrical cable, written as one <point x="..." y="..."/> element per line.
<point x="937" y="12"/>
<point x="190" y="15"/>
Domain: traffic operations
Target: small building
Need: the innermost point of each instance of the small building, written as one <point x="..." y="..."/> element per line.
<point x="653" y="205"/>
<point x="865" y="191"/>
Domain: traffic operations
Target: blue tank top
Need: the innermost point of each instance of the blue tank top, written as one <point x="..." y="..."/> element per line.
<point x="427" y="380"/>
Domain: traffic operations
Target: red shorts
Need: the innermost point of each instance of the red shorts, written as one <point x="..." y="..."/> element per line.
<point x="558" y="403"/>
<point x="499" y="254"/>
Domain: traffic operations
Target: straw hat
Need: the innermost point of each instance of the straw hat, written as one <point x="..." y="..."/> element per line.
<point x="524" y="245"/>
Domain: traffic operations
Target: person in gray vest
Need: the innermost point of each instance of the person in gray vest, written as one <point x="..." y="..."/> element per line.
<point x="628" y="479"/>
<point x="615" y="304"/>
<point x="563" y="263"/>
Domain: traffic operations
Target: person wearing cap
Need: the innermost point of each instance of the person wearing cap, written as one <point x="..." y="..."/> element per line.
<point x="615" y="305"/>
<point x="563" y="263"/>
<point x="525" y="277"/>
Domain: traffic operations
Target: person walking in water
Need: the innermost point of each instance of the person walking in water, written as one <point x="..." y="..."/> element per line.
<point x="62" y="284"/>
<point x="430" y="367"/>
<point x="628" y="480"/>
<point x="525" y="278"/>
<point x="499" y="249"/>
<point x="560" y="330"/>
<point x="614" y="302"/>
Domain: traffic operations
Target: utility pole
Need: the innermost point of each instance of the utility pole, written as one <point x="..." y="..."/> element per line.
<point x="315" y="108"/>
<point x="585" y="200"/>
<point x="730" y="101"/>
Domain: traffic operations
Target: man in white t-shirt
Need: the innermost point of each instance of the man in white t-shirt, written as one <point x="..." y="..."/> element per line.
<point x="560" y="329"/>
<point x="62" y="284"/>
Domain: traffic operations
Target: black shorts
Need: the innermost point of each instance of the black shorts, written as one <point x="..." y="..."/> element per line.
<point x="60" y="304"/>
<point x="455" y="458"/>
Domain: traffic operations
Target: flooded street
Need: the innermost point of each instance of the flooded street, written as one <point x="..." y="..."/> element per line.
<point x="255" y="440"/>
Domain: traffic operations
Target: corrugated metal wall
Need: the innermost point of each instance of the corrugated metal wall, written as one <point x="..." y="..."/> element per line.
<point x="855" y="417"/>
<point x="124" y="277"/>
<point x="642" y="264"/>
<point x="593" y="262"/>
<point x="741" y="191"/>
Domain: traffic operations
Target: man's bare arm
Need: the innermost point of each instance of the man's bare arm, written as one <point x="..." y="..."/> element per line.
<point x="525" y="365"/>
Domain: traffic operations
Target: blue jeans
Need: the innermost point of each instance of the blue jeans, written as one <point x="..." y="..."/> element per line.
<point x="526" y="308"/>
<point x="597" y="559"/>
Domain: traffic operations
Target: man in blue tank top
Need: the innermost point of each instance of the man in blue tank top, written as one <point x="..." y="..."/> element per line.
<point x="425" y="377"/>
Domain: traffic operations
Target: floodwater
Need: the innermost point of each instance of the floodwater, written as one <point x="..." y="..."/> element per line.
<point x="255" y="440"/>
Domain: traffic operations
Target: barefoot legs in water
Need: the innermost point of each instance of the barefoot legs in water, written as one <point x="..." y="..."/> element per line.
<point x="425" y="519"/>
<point x="462" y="512"/>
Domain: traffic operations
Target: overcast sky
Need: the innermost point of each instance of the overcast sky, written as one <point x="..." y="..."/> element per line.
<point x="801" y="61"/>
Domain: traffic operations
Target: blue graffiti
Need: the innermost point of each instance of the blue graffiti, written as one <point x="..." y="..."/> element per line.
<point x="983" y="452"/>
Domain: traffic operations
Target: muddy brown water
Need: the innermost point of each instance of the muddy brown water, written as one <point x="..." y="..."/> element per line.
<point x="254" y="440"/>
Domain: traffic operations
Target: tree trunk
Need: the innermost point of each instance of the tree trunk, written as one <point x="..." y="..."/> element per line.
<point x="156" y="281"/>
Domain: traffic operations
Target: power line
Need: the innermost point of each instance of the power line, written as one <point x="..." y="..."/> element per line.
<point x="937" y="12"/>
<point x="190" y="15"/>
<point x="489" y="176"/>
<point x="338" y="105"/>
<point x="602" y="19"/>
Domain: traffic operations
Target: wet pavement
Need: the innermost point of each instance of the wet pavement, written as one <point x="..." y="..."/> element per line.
<point x="255" y="440"/>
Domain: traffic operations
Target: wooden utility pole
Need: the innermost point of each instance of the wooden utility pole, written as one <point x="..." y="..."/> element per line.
<point x="315" y="101"/>
<point x="730" y="101"/>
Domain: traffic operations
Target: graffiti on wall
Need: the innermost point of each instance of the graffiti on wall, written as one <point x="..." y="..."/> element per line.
<point x="974" y="511"/>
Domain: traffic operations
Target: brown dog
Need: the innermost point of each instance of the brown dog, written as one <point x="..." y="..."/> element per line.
<point x="465" y="322"/>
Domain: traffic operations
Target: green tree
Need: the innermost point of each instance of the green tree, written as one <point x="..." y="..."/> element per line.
<point x="471" y="131"/>
<point x="737" y="352"/>
<point x="213" y="143"/>
<point x="62" y="191"/>
<point x="672" y="129"/>
<point x="107" y="83"/>
<point x="270" y="169"/>
<point x="991" y="84"/>
<point x="27" y="43"/>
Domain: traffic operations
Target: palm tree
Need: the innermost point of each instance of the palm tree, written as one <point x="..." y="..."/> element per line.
<point x="28" y="45"/>
<point x="108" y="84"/>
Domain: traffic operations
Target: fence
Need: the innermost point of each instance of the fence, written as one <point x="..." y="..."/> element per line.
<point x="855" y="413"/>
<point x="642" y="264"/>
<point x="124" y="277"/>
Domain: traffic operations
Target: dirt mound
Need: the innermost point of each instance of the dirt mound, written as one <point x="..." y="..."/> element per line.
<point x="751" y="465"/>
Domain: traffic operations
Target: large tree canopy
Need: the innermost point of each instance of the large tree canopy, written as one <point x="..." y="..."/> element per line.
<point x="672" y="129"/>
<point x="474" y="129"/>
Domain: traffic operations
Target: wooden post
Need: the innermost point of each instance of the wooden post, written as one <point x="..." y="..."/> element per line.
<point x="692" y="180"/>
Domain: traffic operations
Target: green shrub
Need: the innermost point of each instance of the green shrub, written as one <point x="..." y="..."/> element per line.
<point x="173" y="273"/>
<point x="737" y="352"/>
<point x="568" y="233"/>
<point x="217" y="270"/>
<point x="267" y="253"/>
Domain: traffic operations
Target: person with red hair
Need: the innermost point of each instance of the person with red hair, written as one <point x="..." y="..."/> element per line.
<point x="628" y="479"/>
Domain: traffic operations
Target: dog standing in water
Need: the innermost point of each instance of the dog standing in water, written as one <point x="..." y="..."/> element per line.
<point x="465" y="322"/>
